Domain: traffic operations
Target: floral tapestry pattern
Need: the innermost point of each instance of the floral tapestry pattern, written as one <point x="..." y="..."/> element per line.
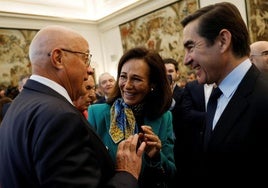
<point x="159" y="30"/>
<point x="257" y="16"/>
<point x="14" y="58"/>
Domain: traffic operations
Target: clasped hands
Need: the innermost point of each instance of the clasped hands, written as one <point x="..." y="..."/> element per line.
<point x="129" y="152"/>
<point x="153" y="143"/>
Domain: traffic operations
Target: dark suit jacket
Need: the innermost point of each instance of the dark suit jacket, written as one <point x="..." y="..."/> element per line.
<point x="45" y="142"/>
<point x="239" y="141"/>
<point x="5" y="108"/>
<point x="177" y="96"/>
<point x="193" y="102"/>
<point x="190" y="118"/>
<point x="177" y="93"/>
<point x="238" y="148"/>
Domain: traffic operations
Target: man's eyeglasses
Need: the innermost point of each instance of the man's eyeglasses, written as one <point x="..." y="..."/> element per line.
<point x="87" y="55"/>
<point x="264" y="53"/>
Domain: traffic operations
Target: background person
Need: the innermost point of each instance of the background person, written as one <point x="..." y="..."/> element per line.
<point x="87" y="97"/>
<point x="259" y="55"/>
<point x="172" y="69"/>
<point x="106" y="85"/>
<point x="13" y="92"/>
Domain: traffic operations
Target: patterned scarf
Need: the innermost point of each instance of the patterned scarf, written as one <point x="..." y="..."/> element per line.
<point x="123" y="123"/>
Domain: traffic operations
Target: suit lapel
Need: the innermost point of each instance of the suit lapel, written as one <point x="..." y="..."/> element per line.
<point x="235" y="107"/>
<point x="232" y="112"/>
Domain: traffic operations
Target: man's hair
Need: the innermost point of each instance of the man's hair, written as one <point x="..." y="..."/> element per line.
<point x="172" y="61"/>
<point x="214" y="18"/>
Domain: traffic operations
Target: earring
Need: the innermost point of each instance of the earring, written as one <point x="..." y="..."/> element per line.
<point x="152" y="89"/>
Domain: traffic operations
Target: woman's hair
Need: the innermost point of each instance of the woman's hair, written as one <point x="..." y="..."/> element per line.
<point x="159" y="99"/>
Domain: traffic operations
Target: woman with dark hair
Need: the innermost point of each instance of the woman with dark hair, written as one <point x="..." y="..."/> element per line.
<point x="139" y="103"/>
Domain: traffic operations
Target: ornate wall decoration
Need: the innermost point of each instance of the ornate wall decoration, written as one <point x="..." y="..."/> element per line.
<point x="14" y="58"/>
<point x="160" y="30"/>
<point x="257" y="17"/>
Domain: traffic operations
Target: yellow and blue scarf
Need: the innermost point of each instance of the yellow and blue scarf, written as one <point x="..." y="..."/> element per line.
<point x="123" y="123"/>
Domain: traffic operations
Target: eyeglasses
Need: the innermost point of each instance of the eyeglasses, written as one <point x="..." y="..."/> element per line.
<point x="87" y="55"/>
<point x="264" y="53"/>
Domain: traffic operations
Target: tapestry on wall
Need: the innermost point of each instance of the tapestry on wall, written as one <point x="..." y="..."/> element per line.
<point x="160" y="30"/>
<point x="257" y="17"/>
<point x="14" y="59"/>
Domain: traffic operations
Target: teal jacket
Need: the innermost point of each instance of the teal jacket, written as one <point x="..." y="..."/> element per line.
<point x="99" y="118"/>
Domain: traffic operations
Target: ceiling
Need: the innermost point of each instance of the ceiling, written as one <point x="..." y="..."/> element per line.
<point x="90" y="10"/>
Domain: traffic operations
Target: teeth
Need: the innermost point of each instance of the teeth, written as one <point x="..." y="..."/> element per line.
<point x="129" y="94"/>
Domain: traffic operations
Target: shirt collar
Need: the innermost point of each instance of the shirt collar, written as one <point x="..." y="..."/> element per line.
<point x="53" y="85"/>
<point x="230" y="83"/>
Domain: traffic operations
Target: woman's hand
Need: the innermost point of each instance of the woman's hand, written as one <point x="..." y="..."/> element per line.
<point x="153" y="143"/>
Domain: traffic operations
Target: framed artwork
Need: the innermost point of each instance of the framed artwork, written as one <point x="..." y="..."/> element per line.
<point x="160" y="30"/>
<point x="14" y="58"/>
<point x="257" y="18"/>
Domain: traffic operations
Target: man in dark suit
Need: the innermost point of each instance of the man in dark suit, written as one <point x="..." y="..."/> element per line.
<point x="44" y="139"/>
<point x="172" y="71"/>
<point x="216" y="42"/>
<point x="190" y="115"/>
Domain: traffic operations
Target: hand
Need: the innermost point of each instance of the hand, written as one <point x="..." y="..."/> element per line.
<point x="153" y="143"/>
<point x="129" y="157"/>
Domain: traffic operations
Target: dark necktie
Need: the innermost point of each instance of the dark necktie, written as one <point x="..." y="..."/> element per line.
<point x="211" y="108"/>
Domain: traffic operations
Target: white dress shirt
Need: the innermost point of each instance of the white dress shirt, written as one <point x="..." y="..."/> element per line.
<point x="228" y="87"/>
<point x="53" y="85"/>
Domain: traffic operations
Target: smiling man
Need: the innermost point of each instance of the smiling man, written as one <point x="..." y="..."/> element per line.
<point x="216" y="42"/>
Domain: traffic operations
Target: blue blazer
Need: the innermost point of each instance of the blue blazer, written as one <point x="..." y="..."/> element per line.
<point x="99" y="119"/>
<point x="45" y="142"/>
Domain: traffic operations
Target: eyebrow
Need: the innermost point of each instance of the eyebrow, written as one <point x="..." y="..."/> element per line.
<point x="187" y="43"/>
<point x="133" y="75"/>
